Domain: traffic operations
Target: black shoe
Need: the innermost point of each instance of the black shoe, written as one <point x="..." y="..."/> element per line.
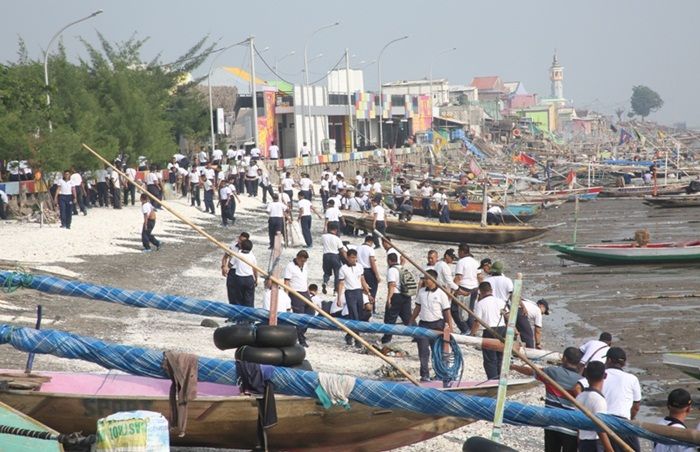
<point x="304" y="344"/>
<point x="348" y="341"/>
<point x="323" y="289"/>
<point x="358" y="344"/>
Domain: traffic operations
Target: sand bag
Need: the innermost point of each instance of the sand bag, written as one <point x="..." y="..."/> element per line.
<point x="133" y="431"/>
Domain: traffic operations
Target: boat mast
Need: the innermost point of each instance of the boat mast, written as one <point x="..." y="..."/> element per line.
<point x="575" y="218"/>
<point x="484" y="205"/>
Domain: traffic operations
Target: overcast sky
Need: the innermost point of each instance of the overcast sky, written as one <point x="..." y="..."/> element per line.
<point x="606" y="46"/>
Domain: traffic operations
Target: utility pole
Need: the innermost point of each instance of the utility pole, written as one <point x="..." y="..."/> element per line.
<point x="350" y="106"/>
<point x="254" y="94"/>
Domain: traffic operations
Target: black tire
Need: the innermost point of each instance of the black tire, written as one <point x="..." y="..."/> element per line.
<point x="261" y="355"/>
<point x="479" y="444"/>
<point x="305" y="365"/>
<point x="275" y="336"/>
<point x="294" y="355"/>
<point x="234" y="336"/>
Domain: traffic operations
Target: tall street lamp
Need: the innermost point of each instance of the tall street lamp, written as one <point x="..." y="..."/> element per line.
<point x="278" y="60"/>
<point x="46" y="58"/>
<point x="430" y="74"/>
<point x="211" y="103"/>
<point x="381" y="98"/>
<point x="306" y="79"/>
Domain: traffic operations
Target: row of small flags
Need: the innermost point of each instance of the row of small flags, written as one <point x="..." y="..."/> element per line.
<point x="626" y="136"/>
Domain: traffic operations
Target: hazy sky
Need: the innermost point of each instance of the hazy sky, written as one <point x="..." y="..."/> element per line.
<point x="605" y="46"/>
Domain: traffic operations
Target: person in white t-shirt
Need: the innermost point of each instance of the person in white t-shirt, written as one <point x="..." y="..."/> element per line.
<point x="284" y="303"/>
<point x="352" y="284"/>
<point x="621" y="389"/>
<point x="366" y="257"/>
<point x="378" y="220"/>
<point x="77" y="180"/>
<point x="333" y="251"/>
<point x="333" y="217"/>
<point x="231" y="154"/>
<point x="306" y="186"/>
<point x="534" y="312"/>
<point x="225" y="196"/>
<point x="433" y="311"/>
<point x="305" y="150"/>
<point x="494" y="215"/>
<point x="274" y="151"/>
<point x="245" y="276"/>
<point x="595" y="350"/>
<point x="594" y="401"/>
<point x="252" y="179"/>
<point x="277" y="213"/>
<point x="64" y="197"/>
<point x="296" y="276"/>
<point x="255" y="152"/>
<point x="679" y="404"/>
<point x="287" y="185"/>
<point x="216" y="156"/>
<point x="467" y="280"/>
<point x="325" y="190"/>
<point x="149" y="222"/>
<point x="426" y="193"/>
<point x="305" y="210"/>
<point x="491" y="310"/>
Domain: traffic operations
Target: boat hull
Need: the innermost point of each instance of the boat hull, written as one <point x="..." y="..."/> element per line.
<point x="513" y="213"/>
<point x="451" y="232"/>
<point x="627" y="254"/>
<point x="673" y="201"/>
<point x="633" y="192"/>
<point x="231" y="421"/>
<point x="688" y="363"/>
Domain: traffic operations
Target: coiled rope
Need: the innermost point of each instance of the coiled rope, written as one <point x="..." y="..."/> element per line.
<point x="16" y="279"/>
<point x="448" y="366"/>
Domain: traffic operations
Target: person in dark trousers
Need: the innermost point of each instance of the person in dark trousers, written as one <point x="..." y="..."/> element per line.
<point x="351" y="285"/>
<point x="195" y="184"/>
<point x="333" y="251"/>
<point x="208" y="195"/>
<point x="153" y="185"/>
<point x="80" y="193"/>
<point x="296" y="276"/>
<point x="228" y="268"/>
<point x="3" y="203"/>
<point x="433" y="311"/>
<point x="266" y="185"/>
<point x="305" y="210"/>
<point x="398" y="304"/>
<point x="245" y="277"/>
<point x="116" y="182"/>
<point x="277" y="211"/>
<point x="149" y="222"/>
<point x="491" y="310"/>
<point x="129" y="188"/>
<point x="567" y="374"/>
<point x="63" y="198"/>
<point x="102" y="189"/>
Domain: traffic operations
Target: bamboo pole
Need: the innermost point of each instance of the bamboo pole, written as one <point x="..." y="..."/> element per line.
<point x="260" y="270"/>
<point x="540" y="374"/>
<point x="505" y="366"/>
<point x="274" y="269"/>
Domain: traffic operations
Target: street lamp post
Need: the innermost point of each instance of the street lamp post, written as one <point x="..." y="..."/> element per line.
<point x="278" y="60"/>
<point x="211" y="102"/>
<point x="430" y="73"/>
<point x="46" y="58"/>
<point x="381" y="98"/>
<point x="306" y="80"/>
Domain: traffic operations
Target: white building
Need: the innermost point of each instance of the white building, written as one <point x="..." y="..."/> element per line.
<point x="438" y="88"/>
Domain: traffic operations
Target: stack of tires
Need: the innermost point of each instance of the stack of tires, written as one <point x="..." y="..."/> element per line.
<point x="263" y="344"/>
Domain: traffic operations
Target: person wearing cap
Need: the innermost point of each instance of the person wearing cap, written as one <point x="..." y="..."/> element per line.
<point x="679" y="404"/>
<point x="534" y="312"/>
<point x="566" y="375"/>
<point x="621" y="389"/>
<point x="484" y="268"/>
<point x="595" y="350"/>
<point x="593" y="400"/>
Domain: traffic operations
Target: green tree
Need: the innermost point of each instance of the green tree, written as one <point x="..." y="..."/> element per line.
<point x="645" y="100"/>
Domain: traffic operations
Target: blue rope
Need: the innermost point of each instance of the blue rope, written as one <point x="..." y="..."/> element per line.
<point x="448" y="368"/>
<point x="380" y="394"/>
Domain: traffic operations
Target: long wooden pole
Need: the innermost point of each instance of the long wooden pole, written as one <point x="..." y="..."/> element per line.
<point x="540" y="374"/>
<point x="505" y="366"/>
<point x="260" y="270"/>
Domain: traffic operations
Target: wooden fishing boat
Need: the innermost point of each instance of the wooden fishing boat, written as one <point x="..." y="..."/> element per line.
<point x="13" y="418"/>
<point x="641" y="191"/>
<point x="512" y="213"/>
<point x="223" y="417"/>
<point x="688" y="363"/>
<point x="449" y="232"/>
<point x="668" y="201"/>
<point x="630" y="253"/>
<point x="568" y="194"/>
